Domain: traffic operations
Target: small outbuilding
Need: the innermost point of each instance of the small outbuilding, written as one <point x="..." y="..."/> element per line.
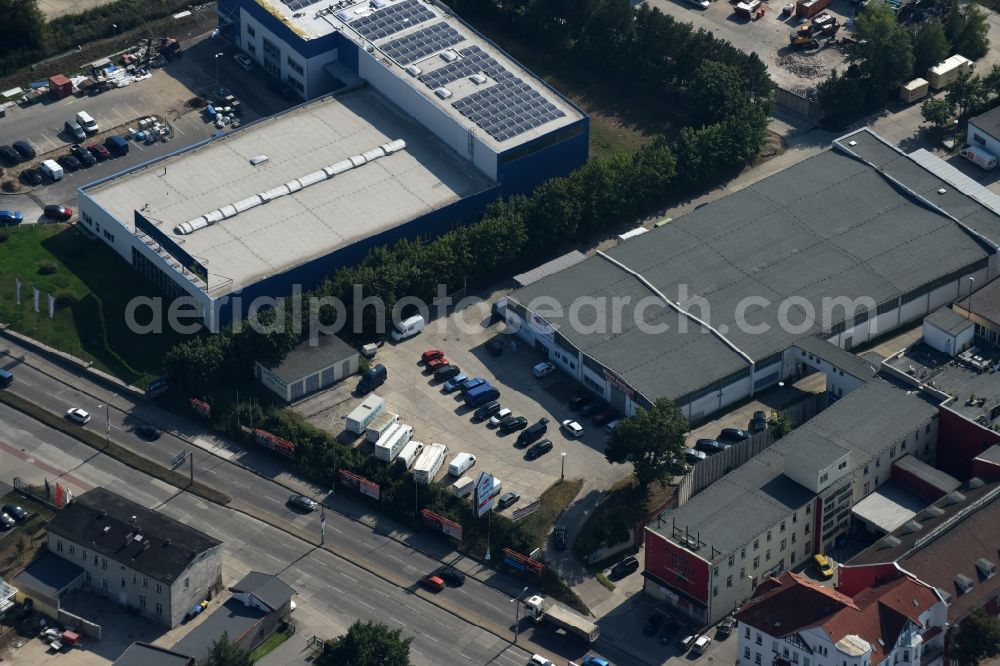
<point x="145" y="654"/>
<point x="984" y="132"/>
<point x="311" y="366"/>
<point x="947" y="331"/>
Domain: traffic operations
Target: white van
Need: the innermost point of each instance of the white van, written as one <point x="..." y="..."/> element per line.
<point x="408" y="328"/>
<point x="461" y="463"/>
<point x="87" y="122"/>
<point x="52" y="169"/>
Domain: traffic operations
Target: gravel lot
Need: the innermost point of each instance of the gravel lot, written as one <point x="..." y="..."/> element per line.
<point x="438" y="417"/>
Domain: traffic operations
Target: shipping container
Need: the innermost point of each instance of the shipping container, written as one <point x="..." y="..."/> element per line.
<point x="945" y="73"/>
<point x="809" y="8"/>
<point x="60" y="86"/>
<point x="362" y="415"/>
<point x="380" y="424"/>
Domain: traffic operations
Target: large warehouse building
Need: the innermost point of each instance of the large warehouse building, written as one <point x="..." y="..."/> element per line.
<point x="428" y="123"/>
<point x="713" y="307"/>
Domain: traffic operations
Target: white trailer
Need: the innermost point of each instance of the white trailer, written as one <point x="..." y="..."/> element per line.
<point x="543" y="612"/>
<point x="429" y="463"/>
<point x="409" y="454"/>
<point x="363" y="414"/>
<point x="393" y="442"/>
<point x="463" y="487"/>
<point x="380" y="425"/>
<point x="945" y="73"/>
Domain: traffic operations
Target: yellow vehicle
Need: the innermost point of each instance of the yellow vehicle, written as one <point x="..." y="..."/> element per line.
<point x="823" y="566"/>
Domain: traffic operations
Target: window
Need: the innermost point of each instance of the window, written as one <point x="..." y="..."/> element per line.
<point x="145" y="583"/>
<point x="72" y="550"/>
<point x="823" y="477"/>
<point x="902" y="447"/>
<point x="783" y="544"/>
<point x="715" y="591"/>
<point x="756" y="659"/>
<point x="746" y="634"/>
<point x="732" y="559"/>
<point x="892" y="451"/>
<point x="927" y="430"/>
<point x="808" y="509"/>
<point x="758" y="641"/>
<point x="867" y="486"/>
<point x="59" y="545"/>
<point x="83" y="555"/>
<point x="251" y="31"/>
<point x="298" y="85"/>
<point x="878" y="462"/>
<point x="756" y="544"/>
<point x="729" y="581"/>
<point x="756" y="562"/>
<point x="746" y="653"/>
<point x="159" y="608"/>
<point x="123" y="581"/>
<point x="294" y="65"/>
<point x="109" y="236"/>
<point x="159" y="588"/>
<point x="842" y="464"/>
<point x="978" y="138"/>
<point x="767" y="555"/>
<point x="769" y="536"/>
<point x="104" y="564"/>
<point x="88" y="576"/>
<point x="795" y="517"/>
<point x="866" y="470"/>
<point x="104" y="582"/>
<point x="142" y="601"/>
<point x="782" y="526"/>
<point x="743" y="553"/>
<point x="187" y="583"/>
<point x="134" y="578"/>
<point x="743" y="573"/>
<point x="807" y="528"/>
<point x="95" y="560"/>
<point x="793" y="537"/>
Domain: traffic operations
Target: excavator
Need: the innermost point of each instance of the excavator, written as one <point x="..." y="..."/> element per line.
<point x="808" y="35"/>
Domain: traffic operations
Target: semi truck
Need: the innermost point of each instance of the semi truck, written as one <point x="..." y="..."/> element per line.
<point x="362" y="415"/>
<point x="429" y="463"/>
<point x="391" y="443"/>
<point x="544" y="612"/>
<point x="380" y="425"/>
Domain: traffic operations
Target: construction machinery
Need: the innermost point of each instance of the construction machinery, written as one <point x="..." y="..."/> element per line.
<point x="808" y="35"/>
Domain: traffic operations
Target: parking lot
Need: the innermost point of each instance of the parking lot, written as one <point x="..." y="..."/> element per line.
<point x="796" y="70"/>
<point x="438" y="417"/>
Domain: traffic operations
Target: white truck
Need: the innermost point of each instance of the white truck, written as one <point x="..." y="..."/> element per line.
<point x="429" y="463"/>
<point x="463" y="487"/>
<point x="363" y="414"/>
<point x="391" y="443"/>
<point x="409" y="454"/>
<point x="982" y="159"/>
<point x="380" y="425"/>
<point x="543" y="612"/>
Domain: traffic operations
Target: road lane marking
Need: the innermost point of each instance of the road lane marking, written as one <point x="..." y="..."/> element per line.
<point x="347" y="577"/>
<point x="465" y="655"/>
<point x="395" y="620"/>
<point x="271" y="498"/>
<point x="272" y="557"/>
<point x="137" y="115"/>
<point x="335" y="589"/>
<point x="365" y="605"/>
<point x="432" y="638"/>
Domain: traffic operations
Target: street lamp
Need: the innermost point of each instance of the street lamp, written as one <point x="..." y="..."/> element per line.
<point x="517" y="611"/>
<point x="562" y="470"/>
<point x="217" y="56"/>
<point x="972" y="284"/>
<point x="107" y="417"/>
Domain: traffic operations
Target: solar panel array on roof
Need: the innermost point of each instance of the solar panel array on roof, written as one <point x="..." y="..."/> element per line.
<point x="422" y="43"/>
<point x="296" y="5"/>
<point x="392" y="19"/>
<point x="473" y="61"/>
<point x="508" y="109"/>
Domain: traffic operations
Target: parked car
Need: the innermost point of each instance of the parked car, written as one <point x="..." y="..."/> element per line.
<point x="686" y="641"/>
<point x="56" y="212"/>
<point x="572" y="428"/>
<point x="6" y="522"/>
<point x="432" y="582"/>
<point x="539" y="660"/>
<point x="709" y="446"/>
<point x="15" y="511"/>
<point x="99" y="152"/>
<point x="454" y="383"/>
<point x="513" y="424"/>
<point x="9" y="156"/>
<point x="539" y="449"/>
<point x="604" y="417"/>
<point x="495" y="347"/>
<point x="32" y="176"/>
<point x="302" y="502"/>
<point x="451" y="575"/>
<point x="506" y="500"/>
<point x="733" y="435"/>
<point x="693" y="456"/>
<point x="471" y="383"/>
<point x="543" y="369"/>
<point x="701" y="645"/>
<point x="244" y="61"/>
<point x="10" y="218"/>
<point x="25" y="149"/>
<point x="823" y="567"/>
<point x="77" y="415"/>
<point x="758" y="423"/>
<point x="726" y="626"/>
<point x="499" y="416"/>
<point x="626" y="567"/>
<point x="653" y="623"/>
<point x="70" y="163"/>
<point x="447" y="372"/>
<point x="433" y="364"/>
<point x="611" y="426"/>
<point x="594" y="660"/>
<point x="536" y="430"/>
<point x="559" y="536"/>
<point x="486" y="411"/>
<point x="147" y="431"/>
<point x="430" y="355"/>
<point x="82" y="154"/>
<point x="579" y="400"/>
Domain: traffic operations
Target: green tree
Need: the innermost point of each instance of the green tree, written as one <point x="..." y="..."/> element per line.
<point x="225" y="653"/>
<point x="652" y="440"/>
<point x="842" y="98"/>
<point x="715" y="92"/>
<point x="883" y="51"/>
<point x="22" y="28"/>
<point x="978" y="637"/>
<point x="779" y="424"/>
<point x="367" y="644"/>
<point x="930" y="46"/>
<point x="967" y="30"/>
<point x="992" y="81"/>
<point x="938" y="111"/>
<point x="966" y="94"/>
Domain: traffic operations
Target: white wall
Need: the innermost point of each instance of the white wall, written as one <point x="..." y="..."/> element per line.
<point x="977" y="137"/>
<point x="940" y="340"/>
<point x="315" y="80"/>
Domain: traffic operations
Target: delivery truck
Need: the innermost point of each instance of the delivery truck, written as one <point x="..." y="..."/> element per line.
<point x="362" y="415"/>
<point x="391" y="443"/>
<point x="463" y="487"/>
<point x="380" y="425"/>
<point x="544" y="612"/>
<point x="981" y="158"/>
<point x="945" y="73"/>
<point x="429" y="463"/>
<point x="409" y="454"/>
<point x="914" y="90"/>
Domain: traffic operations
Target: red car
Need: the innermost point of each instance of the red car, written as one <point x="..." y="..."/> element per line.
<point x="61" y="213"/>
<point x="432" y="582"/>
<point x="430" y="355"/>
<point x="603" y="417"/>
<point x="99" y="152"/>
<point x="436" y="363"/>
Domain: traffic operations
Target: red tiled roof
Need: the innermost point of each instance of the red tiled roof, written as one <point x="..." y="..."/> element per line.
<point x="784" y="605"/>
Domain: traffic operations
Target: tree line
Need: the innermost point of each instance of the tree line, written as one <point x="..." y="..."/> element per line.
<point x="885" y="54"/>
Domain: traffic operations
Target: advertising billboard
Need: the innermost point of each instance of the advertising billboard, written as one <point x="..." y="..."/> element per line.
<point x="484" y="493"/>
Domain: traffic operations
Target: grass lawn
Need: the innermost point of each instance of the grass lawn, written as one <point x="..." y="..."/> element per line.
<point x="273" y="641"/>
<point x="20" y="545"/>
<point x="554" y="502"/>
<point x="92" y="285"/>
<point x="623" y="506"/>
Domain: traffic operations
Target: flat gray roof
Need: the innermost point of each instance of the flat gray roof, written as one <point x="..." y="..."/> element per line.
<point x="839" y="358"/>
<point x="991" y="454"/>
<point x="754" y="497"/>
<point x="832" y="226"/>
<point x="231" y="617"/>
<point x="314" y="221"/>
<point x="144" y="654"/>
<point x="984" y="302"/>
<point x="410" y="33"/>
<point x="965" y="382"/>
<point x="931" y="475"/>
<point x="549" y="268"/>
<point x="307" y="358"/>
<point x="948" y="321"/>
<point x="989" y="122"/>
<point x="890" y="507"/>
<point x="48" y="574"/>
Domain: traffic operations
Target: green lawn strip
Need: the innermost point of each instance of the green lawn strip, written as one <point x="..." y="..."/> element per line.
<point x="273" y="641"/>
<point x="116" y="451"/>
<point x="554" y="502"/>
<point x="20" y="546"/>
<point x="92" y="285"/>
<point x="603" y="580"/>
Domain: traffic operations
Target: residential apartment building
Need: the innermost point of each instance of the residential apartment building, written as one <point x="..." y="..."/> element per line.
<point x="791" y="501"/>
<point x="138" y="557"/>
<point x="794" y="621"/>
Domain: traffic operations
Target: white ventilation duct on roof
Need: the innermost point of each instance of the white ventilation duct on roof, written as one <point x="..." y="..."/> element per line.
<point x="327" y="172"/>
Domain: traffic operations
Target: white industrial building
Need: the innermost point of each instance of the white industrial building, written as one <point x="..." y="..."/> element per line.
<point x="984" y="132"/>
<point x="310" y="367"/>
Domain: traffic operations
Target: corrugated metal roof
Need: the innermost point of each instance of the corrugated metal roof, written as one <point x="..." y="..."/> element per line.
<point x="549" y="268"/>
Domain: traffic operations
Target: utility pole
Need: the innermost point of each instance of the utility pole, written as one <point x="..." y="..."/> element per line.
<point x="191" y="466"/>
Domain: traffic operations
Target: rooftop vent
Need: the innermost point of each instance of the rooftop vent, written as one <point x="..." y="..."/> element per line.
<point x="449" y="56"/>
<point x="912" y="526"/>
<point x="133" y="519"/>
<point x="166" y="543"/>
<point x="941" y="190"/>
<point x="107" y="528"/>
<point x="933" y="512"/>
<point x="478" y="79"/>
<point x="890" y="541"/>
<point x="138" y="537"/>
<point x="963" y="583"/>
<point x="413" y="70"/>
<point x="442" y="92"/>
<point x="986" y="568"/>
<point x="378" y="4"/>
<point x="258" y="159"/>
<point x="975" y="482"/>
<point x="954" y="497"/>
<point x="852" y="143"/>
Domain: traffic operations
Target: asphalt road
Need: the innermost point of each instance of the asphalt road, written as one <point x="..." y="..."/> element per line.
<point x="353" y="533"/>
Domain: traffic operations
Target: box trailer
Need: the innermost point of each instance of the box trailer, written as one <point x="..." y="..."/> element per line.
<point x="409" y="454"/>
<point x="380" y="424"/>
<point x="544" y="612"/>
<point x="914" y="90"/>
<point x="429" y="463"/>
<point x="463" y="487"/>
<point x="981" y="158"/>
<point x="362" y="415"/>
<point x="391" y="443"/>
<point x="809" y="8"/>
<point x="945" y="73"/>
